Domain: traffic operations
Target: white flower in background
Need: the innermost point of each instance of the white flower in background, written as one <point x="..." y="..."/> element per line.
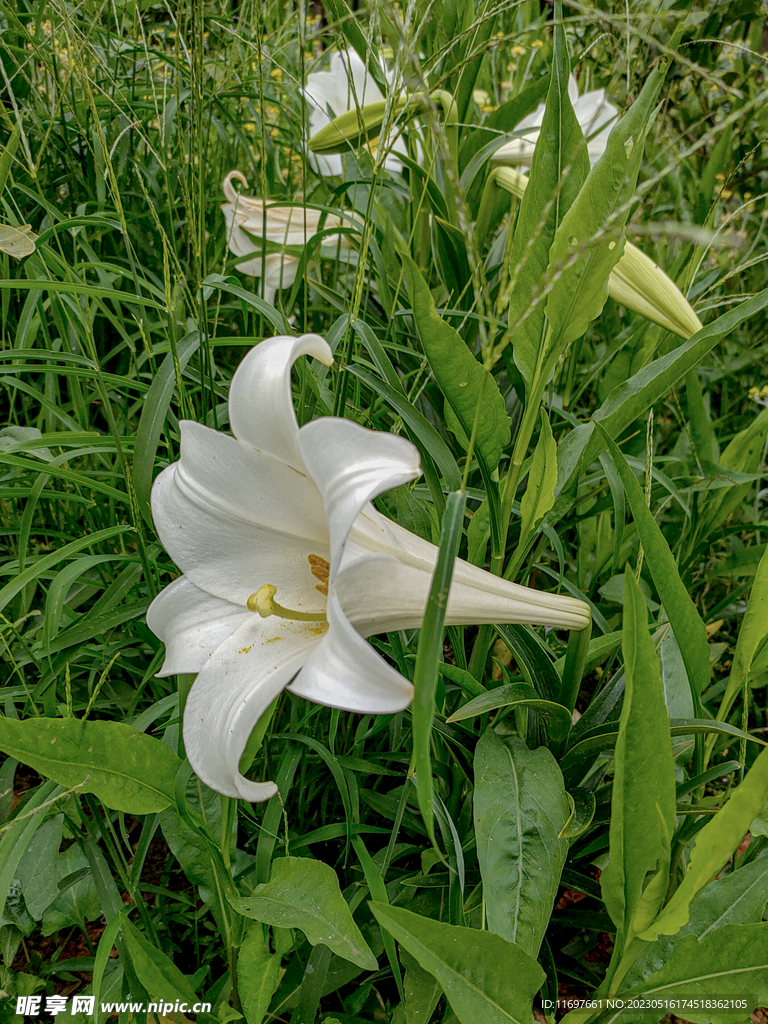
<point x="250" y="220"/>
<point x="287" y="566"/>
<point x="347" y="85"/>
<point x="594" y="112"/>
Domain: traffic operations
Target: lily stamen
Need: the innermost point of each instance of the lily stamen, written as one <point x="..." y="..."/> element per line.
<point x="263" y="602"/>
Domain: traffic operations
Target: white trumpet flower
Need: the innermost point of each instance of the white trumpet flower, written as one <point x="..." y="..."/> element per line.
<point x="287" y="566"/>
<point x="250" y="220"/>
<point x="347" y="85"/>
<point x="594" y="112"/>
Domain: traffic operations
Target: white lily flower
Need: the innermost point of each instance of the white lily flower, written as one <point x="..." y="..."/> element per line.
<point x="287" y="566"/>
<point x="594" y="112"/>
<point x="249" y="220"/>
<point x="347" y="85"/>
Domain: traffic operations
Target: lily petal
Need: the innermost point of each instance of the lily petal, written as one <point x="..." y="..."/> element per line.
<point x="233" y="690"/>
<point x="351" y="465"/>
<point x="261" y="409"/>
<point x="382" y="598"/>
<point x="191" y="624"/>
<point x="346" y="672"/>
<point x="233" y="518"/>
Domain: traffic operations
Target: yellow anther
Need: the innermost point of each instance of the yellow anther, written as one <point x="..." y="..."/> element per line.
<point x="264" y="603"/>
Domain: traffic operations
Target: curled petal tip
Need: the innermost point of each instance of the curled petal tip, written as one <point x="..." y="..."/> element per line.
<point x="315" y="345"/>
<point x="228" y="188"/>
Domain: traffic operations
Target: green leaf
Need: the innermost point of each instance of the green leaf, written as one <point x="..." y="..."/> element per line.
<point x="713" y="846"/>
<point x="422" y="991"/>
<point x="37" y="871"/>
<point x="128" y="770"/>
<point x="156" y="972"/>
<point x="690" y="631"/>
<point x="635" y="880"/>
<point x="558" y="718"/>
<point x="465" y="383"/>
<point x="728" y="962"/>
<point x="539" y="495"/>
<point x="634" y="398"/>
<point x="77" y="901"/>
<point x="520" y="808"/>
<point x="305" y="894"/>
<point x="484" y="977"/>
<point x="258" y="973"/>
<point x="743" y="455"/>
<point x="591" y="237"/>
<point x="738" y="897"/>
<point x="429" y="652"/>
<point x="560" y="144"/>
<point x="754" y="630"/>
<point x="153" y="415"/>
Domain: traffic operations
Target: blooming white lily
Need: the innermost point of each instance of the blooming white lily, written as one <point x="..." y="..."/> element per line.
<point x="347" y="85"/>
<point x="249" y="220"/>
<point x="287" y="566"/>
<point x="594" y="112"/>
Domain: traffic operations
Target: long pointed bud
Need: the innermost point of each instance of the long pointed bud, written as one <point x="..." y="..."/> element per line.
<point x="636" y="281"/>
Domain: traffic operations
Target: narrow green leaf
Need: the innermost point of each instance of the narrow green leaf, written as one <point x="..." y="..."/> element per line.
<point x="128" y="770"/>
<point x="689" y="629"/>
<point x="484" y="977"/>
<point x="713" y="846"/>
<point x="464" y="382"/>
<point x="550" y="193"/>
<point x="754" y="629"/>
<point x="305" y="894"/>
<point x="156" y="971"/>
<point x="557" y="717"/>
<point x="635" y="880"/>
<point x="428" y="655"/>
<point x="632" y="399"/>
<point x="540" y="493"/>
<point x="156" y="405"/>
<point x="520" y="808"/>
<point x="580" y="292"/>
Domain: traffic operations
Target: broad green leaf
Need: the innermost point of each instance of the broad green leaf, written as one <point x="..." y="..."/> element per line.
<point x="15" y="841"/>
<point x="156" y="971"/>
<point x="258" y="972"/>
<point x="520" y="808"/>
<point x="484" y="977"/>
<point x="464" y="382"/>
<point x="635" y="880"/>
<point x="591" y="237"/>
<point x="739" y="897"/>
<point x="754" y="629"/>
<point x="690" y="631"/>
<point x="547" y="198"/>
<point x="634" y="398"/>
<point x="533" y="658"/>
<point x="77" y="901"/>
<point x="558" y="718"/>
<point x="540" y="493"/>
<point x="729" y="962"/>
<point x="713" y="845"/>
<point x="422" y="991"/>
<point x="128" y="770"/>
<point x="38" y="868"/>
<point x="305" y="894"/>
<point x="17" y="242"/>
